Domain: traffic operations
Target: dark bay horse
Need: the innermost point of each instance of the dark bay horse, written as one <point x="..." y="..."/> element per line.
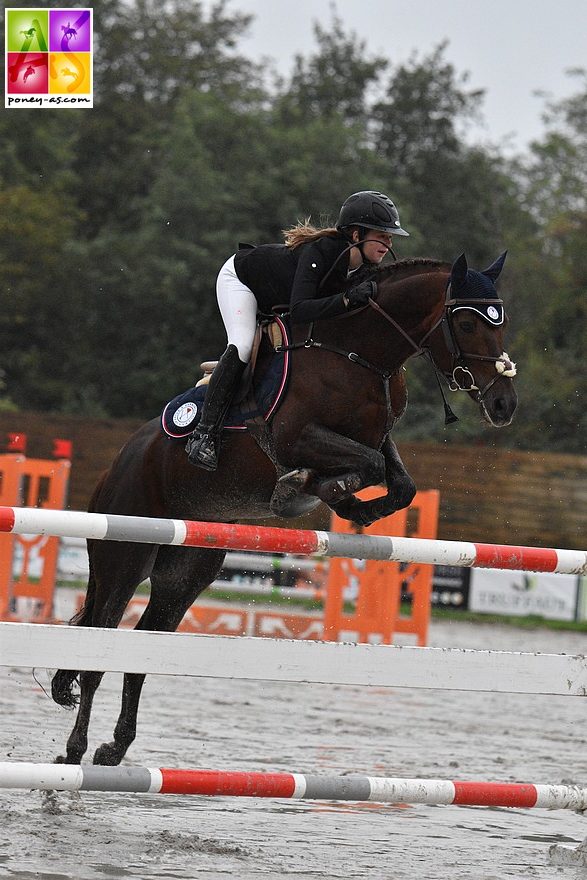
<point x="329" y="438"/>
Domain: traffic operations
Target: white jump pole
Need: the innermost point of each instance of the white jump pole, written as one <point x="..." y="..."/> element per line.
<point x="283" y="660"/>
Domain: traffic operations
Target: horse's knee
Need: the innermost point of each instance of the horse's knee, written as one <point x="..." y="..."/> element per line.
<point x="375" y="468"/>
<point x="404" y="492"/>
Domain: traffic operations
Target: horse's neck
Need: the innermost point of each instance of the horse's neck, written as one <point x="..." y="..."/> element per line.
<point x="413" y="303"/>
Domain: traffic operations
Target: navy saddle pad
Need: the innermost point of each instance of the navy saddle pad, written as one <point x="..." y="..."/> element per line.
<point x="182" y="414"/>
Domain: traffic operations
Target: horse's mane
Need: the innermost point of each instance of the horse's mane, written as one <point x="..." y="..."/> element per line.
<point x="411" y="266"/>
<point x="400" y="269"/>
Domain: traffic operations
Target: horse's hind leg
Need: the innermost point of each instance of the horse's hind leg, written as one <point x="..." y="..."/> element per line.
<point x="179" y="576"/>
<point x="77" y="743"/>
<point x="340" y="466"/>
<point x="115" y="572"/>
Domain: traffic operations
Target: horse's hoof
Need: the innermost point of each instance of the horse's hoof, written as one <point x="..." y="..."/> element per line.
<point x="288" y="497"/>
<point x="108" y="755"/>
<point x="295" y="480"/>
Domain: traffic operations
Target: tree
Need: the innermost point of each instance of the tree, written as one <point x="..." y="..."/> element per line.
<point x="335" y="80"/>
<point x="456" y="195"/>
<point x="147" y="57"/>
<point x="39" y="310"/>
<point x="114" y="222"/>
<point x="554" y="342"/>
<point x="555" y="172"/>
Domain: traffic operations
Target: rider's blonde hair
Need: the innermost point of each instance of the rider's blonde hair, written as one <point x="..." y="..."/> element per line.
<point x="304" y="232"/>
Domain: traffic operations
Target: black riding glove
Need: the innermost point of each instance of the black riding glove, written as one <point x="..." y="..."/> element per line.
<point x="359" y="296"/>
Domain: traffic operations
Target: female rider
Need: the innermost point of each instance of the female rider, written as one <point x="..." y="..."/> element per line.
<point x="308" y="272"/>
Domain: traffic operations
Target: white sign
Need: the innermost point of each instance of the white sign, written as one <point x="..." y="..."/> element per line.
<point x="552" y="596"/>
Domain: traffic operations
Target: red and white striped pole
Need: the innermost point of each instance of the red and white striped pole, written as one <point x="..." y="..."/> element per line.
<point x="228" y="783"/>
<point x="113" y="527"/>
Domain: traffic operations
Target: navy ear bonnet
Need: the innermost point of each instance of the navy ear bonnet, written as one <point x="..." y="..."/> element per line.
<point x="467" y="284"/>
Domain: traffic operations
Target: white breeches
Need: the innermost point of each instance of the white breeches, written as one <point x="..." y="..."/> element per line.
<point x="238" y="307"/>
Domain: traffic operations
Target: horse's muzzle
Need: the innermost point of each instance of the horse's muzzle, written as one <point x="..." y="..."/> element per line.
<point x="499" y="404"/>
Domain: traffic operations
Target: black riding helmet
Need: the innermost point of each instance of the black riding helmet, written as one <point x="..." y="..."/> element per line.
<point x="373" y="210"/>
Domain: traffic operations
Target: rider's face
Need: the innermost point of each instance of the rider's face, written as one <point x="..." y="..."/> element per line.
<point x="376" y="245"/>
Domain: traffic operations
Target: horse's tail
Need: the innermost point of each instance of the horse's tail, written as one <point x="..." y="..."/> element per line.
<point x="64" y="679"/>
<point x="83" y="617"/>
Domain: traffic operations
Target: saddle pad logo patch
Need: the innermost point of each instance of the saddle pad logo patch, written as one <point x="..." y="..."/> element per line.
<point x="185" y="414"/>
<point x="493" y="313"/>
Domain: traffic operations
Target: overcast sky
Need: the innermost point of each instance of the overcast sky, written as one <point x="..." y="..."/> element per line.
<point x="511" y="48"/>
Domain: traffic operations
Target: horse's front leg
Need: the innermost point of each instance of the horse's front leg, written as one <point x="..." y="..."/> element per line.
<point x="400" y="492"/>
<point x="335" y="466"/>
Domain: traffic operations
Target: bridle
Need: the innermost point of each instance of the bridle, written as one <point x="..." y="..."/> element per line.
<point x="459" y="375"/>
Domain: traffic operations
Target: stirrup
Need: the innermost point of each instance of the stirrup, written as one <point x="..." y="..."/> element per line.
<point x="201" y="450"/>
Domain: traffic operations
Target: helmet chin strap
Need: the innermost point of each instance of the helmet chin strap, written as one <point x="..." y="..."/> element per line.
<point x="355" y="244"/>
<point x="361" y="242"/>
<point x="363" y="230"/>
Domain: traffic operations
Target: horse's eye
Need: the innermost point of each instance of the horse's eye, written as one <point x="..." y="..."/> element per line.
<point x="467" y="326"/>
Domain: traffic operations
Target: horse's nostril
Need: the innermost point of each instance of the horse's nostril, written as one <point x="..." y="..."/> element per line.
<point x="502" y="410"/>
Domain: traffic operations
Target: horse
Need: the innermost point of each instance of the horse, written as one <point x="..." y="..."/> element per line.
<point x="330" y="437"/>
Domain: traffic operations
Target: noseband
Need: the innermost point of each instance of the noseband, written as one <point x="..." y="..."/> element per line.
<point x="459" y="376"/>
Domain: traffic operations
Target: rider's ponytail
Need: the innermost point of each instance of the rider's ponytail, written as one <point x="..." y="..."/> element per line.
<point x="301" y="233"/>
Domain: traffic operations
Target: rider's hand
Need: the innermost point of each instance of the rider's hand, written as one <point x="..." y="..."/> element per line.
<point x="359" y="296"/>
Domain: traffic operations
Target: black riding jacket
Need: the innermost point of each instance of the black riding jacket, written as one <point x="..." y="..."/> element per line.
<point x="279" y="275"/>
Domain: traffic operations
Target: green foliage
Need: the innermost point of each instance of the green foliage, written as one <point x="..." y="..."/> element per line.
<point x="460" y="192"/>
<point x="114" y="222"/>
<point x="424" y="102"/>
<point x="39" y="305"/>
<point x="335" y="80"/>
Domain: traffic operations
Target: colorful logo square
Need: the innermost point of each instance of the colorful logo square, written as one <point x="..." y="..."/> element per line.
<point x="27" y="30"/>
<point x="27" y="73"/>
<point x="49" y="57"/>
<point x="70" y="30"/>
<point x="70" y="73"/>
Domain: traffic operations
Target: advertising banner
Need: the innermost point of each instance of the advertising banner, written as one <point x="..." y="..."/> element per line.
<point x="552" y="596"/>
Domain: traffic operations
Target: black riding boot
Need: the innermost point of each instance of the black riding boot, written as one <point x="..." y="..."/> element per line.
<point x="202" y="446"/>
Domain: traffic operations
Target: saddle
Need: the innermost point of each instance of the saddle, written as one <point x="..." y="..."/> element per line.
<point x="260" y="392"/>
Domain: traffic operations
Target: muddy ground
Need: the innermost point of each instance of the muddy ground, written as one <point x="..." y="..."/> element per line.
<point x="305" y="728"/>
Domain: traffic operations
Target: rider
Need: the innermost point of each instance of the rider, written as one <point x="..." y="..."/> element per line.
<point x="308" y="272"/>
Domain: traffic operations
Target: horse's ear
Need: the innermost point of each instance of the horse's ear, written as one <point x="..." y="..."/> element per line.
<point x="458" y="272"/>
<point x="494" y="270"/>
